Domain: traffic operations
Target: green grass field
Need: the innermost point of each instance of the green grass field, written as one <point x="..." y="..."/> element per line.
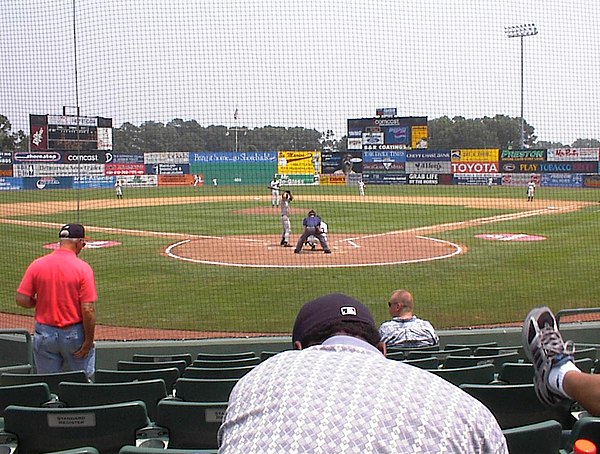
<point x="494" y="282"/>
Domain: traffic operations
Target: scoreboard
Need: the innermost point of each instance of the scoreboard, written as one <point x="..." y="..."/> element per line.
<point x="387" y="133"/>
<point x="70" y="132"/>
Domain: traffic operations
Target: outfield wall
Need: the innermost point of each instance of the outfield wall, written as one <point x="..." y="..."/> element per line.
<point x="45" y="170"/>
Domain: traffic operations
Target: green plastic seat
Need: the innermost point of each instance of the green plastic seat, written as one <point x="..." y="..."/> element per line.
<point x="187" y="357"/>
<point x="142" y="365"/>
<point x="52" y="380"/>
<point x="106" y="428"/>
<point x="539" y="438"/>
<point x="204" y="390"/>
<point x="480" y="374"/>
<point x="217" y="372"/>
<point x="169" y="376"/>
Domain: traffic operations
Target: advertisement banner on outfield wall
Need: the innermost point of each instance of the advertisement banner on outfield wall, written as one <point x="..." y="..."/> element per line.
<point x="175" y="180"/>
<point x="522" y="155"/>
<point x="5" y="157"/>
<point x="57" y="170"/>
<point x="333" y="180"/>
<point x="210" y="157"/>
<point x="428" y="167"/>
<point x="298" y="162"/>
<point x="47" y="183"/>
<point x="93" y="182"/>
<point x="568" y="167"/>
<point x="384" y="156"/>
<point x="419" y="137"/>
<point x="298" y="180"/>
<point x="85" y="157"/>
<point x="336" y="163"/>
<point x="385" y="178"/>
<point x="591" y="181"/>
<point x="474" y="155"/>
<point x="423" y="178"/>
<point x="470" y="167"/>
<point x="167" y="157"/>
<point x="385" y="166"/>
<point x="140" y="181"/>
<point x="561" y="180"/>
<point x="573" y="154"/>
<point x="428" y="155"/>
<point x="124" y="169"/>
<point x="6" y="170"/>
<point x="36" y="156"/>
<point x="11" y="184"/>
<point x="354" y="144"/>
<point x="124" y="158"/>
<point x="167" y="169"/>
<point x="518" y="179"/>
<point x="471" y="180"/>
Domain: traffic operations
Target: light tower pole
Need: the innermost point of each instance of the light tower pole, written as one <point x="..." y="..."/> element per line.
<point x="521" y="31"/>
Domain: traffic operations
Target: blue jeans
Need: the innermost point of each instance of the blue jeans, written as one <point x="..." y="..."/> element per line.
<point x="53" y="349"/>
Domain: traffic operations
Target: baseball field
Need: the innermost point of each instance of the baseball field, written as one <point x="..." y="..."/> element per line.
<point x="208" y="259"/>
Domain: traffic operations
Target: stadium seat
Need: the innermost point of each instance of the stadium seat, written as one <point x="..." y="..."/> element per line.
<point x="191" y="424"/>
<point x="588" y="352"/>
<point x="518" y="405"/>
<point x="204" y="390"/>
<point x="169" y="376"/>
<point x="488" y="351"/>
<point x="144" y="450"/>
<point x="398" y="356"/>
<point x="141" y="365"/>
<point x="585" y="364"/>
<point x="267" y="354"/>
<point x="453" y="362"/>
<point x="106" y="428"/>
<point x="427" y="348"/>
<point x="89" y="394"/>
<point x="17" y="369"/>
<point x="217" y="372"/>
<point x="539" y="438"/>
<point x="30" y="394"/>
<point x="81" y="450"/>
<point x="187" y="357"/>
<point x="52" y="380"/>
<point x="16" y="347"/>
<point x="224" y="356"/>
<point x="472" y="347"/>
<point x="439" y="354"/>
<point x="588" y="427"/>
<point x="202" y="363"/>
<point x="480" y="374"/>
<point x="423" y="363"/>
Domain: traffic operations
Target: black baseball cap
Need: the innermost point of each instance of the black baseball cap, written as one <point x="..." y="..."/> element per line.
<point x="327" y="309"/>
<point x="71" y="231"/>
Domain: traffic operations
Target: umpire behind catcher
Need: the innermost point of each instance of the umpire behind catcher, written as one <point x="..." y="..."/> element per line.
<point x="312" y="226"/>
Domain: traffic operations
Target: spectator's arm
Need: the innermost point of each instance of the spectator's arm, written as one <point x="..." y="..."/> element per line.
<point x="25" y="301"/>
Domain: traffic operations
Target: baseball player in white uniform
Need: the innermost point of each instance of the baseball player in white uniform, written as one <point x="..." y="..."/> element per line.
<point x="312" y="240"/>
<point x="361" y="188"/>
<point x="119" y="189"/>
<point x="530" y="190"/>
<point x="286" y="198"/>
<point x="274" y="186"/>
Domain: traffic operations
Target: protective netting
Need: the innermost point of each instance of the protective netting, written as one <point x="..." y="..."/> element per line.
<point x="412" y="129"/>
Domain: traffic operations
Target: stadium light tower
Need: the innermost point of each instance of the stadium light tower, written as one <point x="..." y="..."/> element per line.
<point x="521" y="31"/>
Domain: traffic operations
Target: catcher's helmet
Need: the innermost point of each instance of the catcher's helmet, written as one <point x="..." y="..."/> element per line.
<point x="312" y="213"/>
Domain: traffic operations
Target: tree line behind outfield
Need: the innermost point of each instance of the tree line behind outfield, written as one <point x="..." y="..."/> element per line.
<point x="501" y="132"/>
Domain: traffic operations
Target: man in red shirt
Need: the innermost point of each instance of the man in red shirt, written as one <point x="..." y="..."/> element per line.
<point x="62" y="290"/>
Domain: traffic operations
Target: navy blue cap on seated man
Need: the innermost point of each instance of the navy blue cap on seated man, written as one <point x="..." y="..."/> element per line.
<point x="336" y="392"/>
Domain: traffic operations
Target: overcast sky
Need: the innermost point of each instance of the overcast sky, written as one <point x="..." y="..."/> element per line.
<point x="302" y="63"/>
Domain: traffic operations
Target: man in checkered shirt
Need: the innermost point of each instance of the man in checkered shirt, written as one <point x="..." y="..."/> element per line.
<point x="405" y="329"/>
<point x="337" y="393"/>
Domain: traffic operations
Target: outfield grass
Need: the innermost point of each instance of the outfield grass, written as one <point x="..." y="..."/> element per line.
<point x="493" y="282"/>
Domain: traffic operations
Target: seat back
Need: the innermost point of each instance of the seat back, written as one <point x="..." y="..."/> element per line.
<point x="169" y="376"/>
<point x="225" y="356"/>
<point x="52" y="380"/>
<point x="517" y="405"/>
<point x="204" y="390"/>
<point x="481" y="374"/>
<point x="191" y="424"/>
<point x="516" y="373"/>
<point x="141" y="365"/>
<point x="488" y="351"/>
<point x="203" y="363"/>
<point x="30" y="394"/>
<point x="472" y="347"/>
<point x="452" y="362"/>
<point x="16" y="347"/>
<point x="187" y="357"/>
<point x="423" y="363"/>
<point x="540" y="438"/>
<point x="588" y="427"/>
<point x="264" y="355"/>
<point x="106" y="427"/>
<point x="89" y="394"/>
<point x="17" y="369"/>
<point x="440" y="354"/>
<point x="217" y="372"/>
